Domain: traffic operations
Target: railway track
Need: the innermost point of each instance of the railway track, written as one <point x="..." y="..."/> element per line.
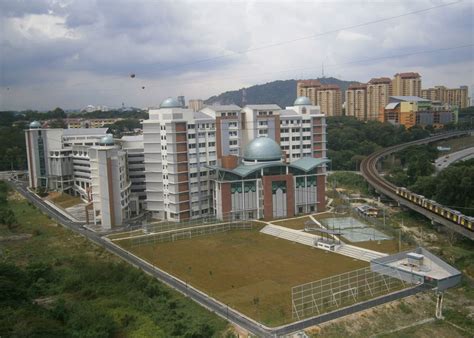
<point x="369" y="171"/>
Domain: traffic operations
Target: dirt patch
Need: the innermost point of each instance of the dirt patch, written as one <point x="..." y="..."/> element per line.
<point x="15" y="196"/>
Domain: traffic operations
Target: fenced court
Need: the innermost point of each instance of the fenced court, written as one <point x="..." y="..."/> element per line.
<point x="342" y="290"/>
<point x="354" y="230"/>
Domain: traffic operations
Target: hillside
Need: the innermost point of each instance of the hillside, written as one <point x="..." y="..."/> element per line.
<point x="281" y="92"/>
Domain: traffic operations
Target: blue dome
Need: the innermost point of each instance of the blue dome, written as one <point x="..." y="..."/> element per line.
<point x="107" y="140"/>
<point x="262" y="149"/>
<point x="170" y="103"/>
<point x="302" y="101"/>
<point x="35" y="125"/>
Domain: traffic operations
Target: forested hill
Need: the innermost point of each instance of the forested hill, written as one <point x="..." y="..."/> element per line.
<point x="282" y="93"/>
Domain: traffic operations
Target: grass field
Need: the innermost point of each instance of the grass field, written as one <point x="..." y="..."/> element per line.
<point x="457" y="144"/>
<point x="387" y="246"/>
<point x="295" y="223"/>
<point x="249" y="271"/>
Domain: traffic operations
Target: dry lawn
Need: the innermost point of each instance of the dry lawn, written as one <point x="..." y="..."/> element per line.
<point x="249" y="271"/>
<point x="387" y="246"/>
<point x="64" y="200"/>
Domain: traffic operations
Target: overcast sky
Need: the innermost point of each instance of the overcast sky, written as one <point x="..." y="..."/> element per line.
<point x="71" y="53"/>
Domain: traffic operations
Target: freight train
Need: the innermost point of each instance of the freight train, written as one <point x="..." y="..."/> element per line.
<point x="450" y="214"/>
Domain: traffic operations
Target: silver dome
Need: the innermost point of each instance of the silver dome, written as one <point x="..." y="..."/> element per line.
<point x="262" y="149"/>
<point x="170" y="102"/>
<point x="302" y="101"/>
<point x="107" y="140"/>
<point x="35" y="125"/>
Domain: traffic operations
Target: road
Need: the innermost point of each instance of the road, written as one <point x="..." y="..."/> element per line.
<point x="444" y="161"/>
<point x="369" y="171"/>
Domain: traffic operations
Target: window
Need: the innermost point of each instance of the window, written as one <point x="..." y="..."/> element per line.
<point x="233" y="142"/>
<point x="192" y="146"/>
<point x="191" y="126"/>
<point x="262" y="123"/>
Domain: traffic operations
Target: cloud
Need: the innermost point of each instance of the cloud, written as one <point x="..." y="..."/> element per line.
<point x="352" y="36"/>
<point x="71" y="53"/>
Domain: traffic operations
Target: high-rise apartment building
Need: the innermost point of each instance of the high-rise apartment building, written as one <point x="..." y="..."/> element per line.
<point x="356" y="101"/>
<point x="406" y="84"/>
<point x="196" y="105"/>
<point x="453" y="96"/>
<point x="308" y="88"/>
<point x="329" y="100"/>
<point x="378" y="94"/>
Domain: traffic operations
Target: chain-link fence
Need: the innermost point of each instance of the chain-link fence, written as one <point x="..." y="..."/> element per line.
<point x="343" y="290"/>
<point x="173" y="231"/>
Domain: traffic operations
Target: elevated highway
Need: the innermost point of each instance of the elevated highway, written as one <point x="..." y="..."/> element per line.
<point x="369" y="170"/>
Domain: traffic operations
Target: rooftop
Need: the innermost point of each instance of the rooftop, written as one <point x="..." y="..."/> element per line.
<point x="201" y="116"/>
<point x="224" y="107"/>
<point x="432" y="267"/>
<point x="309" y="83"/>
<point x="306" y="164"/>
<point x="358" y="86"/>
<point x="380" y="80"/>
<point x="263" y="106"/>
<point x="409" y="99"/>
<point x="130" y="138"/>
<point x="408" y="75"/>
<point x="85" y="131"/>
